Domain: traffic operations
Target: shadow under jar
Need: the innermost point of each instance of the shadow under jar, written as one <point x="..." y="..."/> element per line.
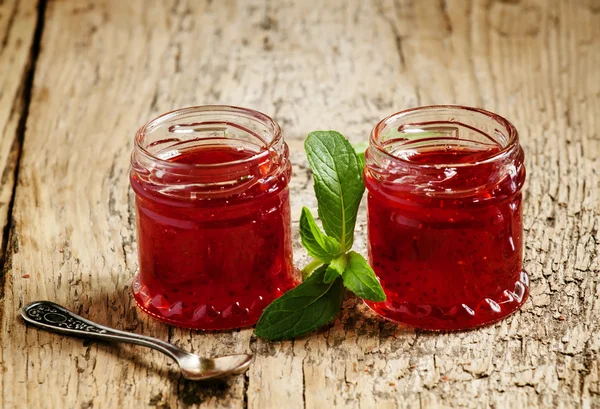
<point x="444" y="217"/>
<point x="213" y="216"/>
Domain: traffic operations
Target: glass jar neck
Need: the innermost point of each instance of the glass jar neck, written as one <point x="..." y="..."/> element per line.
<point x="208" y="151"/>
<point x="444" y="151"/>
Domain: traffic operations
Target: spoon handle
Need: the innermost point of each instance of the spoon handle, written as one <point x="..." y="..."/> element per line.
<point x="53" y="317"/>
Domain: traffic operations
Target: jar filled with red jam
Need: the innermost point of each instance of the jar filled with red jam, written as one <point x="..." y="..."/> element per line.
<point x="444" y="217"/>
<point x="213" y="216"/>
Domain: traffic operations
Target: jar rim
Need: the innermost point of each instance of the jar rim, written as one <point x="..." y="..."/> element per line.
<point x="266" y="120"/>
<point x="513" y="136"/>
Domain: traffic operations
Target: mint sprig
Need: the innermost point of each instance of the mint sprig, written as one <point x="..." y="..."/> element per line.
<point x="303" y="309"/>
<point x="337" y="171"/>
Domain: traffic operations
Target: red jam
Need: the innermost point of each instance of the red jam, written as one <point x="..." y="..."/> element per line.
<point x="214" y="237"/>
<point x="445" y="229"/>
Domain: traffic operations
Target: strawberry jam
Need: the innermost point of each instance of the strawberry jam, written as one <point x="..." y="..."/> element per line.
<point x="213" y="217"/>
<point x="444" y="217"/>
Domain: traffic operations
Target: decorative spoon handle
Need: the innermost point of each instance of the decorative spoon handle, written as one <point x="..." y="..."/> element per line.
<point x="53" y="317"/>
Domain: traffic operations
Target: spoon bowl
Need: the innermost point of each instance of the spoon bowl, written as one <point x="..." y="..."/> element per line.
<point x="195" y="368"/>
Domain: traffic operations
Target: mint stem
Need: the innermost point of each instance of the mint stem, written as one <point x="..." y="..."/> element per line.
<point x="310" y="267"/>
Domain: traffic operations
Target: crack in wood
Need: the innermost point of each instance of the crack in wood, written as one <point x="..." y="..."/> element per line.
<point x="25" y="96"/>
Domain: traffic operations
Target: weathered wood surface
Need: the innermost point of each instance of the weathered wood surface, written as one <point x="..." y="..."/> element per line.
<point x="107" y="66"/>
<point x="17" y="27"/>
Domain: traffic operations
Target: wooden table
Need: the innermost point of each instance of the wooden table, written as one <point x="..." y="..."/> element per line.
<point x="77" y="79"/>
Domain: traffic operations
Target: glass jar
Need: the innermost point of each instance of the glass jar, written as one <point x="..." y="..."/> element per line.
<point x="213" y="216"/>
<point x="444" y="217"/>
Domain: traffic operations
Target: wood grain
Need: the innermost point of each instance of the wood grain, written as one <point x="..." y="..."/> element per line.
<point x="106" y="67"/>
<point x="17" y="27"/>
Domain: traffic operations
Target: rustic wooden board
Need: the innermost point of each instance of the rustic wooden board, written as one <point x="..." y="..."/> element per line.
<point x="107" y="66"/>
<point x="17" y="27"/>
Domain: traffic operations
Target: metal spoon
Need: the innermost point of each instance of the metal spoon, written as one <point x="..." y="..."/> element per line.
<point x="53" y="317"/>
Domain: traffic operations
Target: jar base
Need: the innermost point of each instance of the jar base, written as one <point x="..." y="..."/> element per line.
<point x="458" y="317"/>
<point x="200" y="317"/>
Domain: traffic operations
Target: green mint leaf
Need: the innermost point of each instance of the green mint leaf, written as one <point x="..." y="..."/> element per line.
<point x="339" y="187"/>
<point x="330" y="275"/>
<point x="336" y="268"/>
<point x="360" y="278"/>
<point x="316" y="243"/>
<point x="302" y="309"/>
<point x="360" y="149"/>
<point x="361" y="160"/>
